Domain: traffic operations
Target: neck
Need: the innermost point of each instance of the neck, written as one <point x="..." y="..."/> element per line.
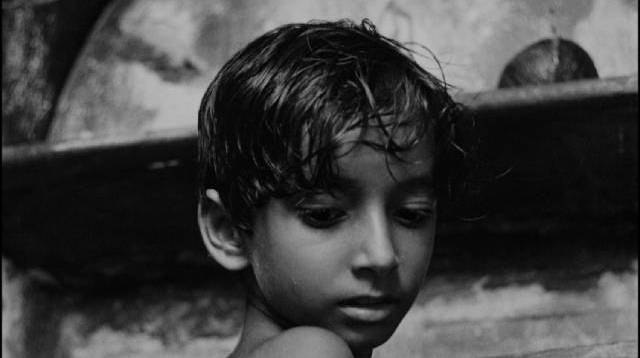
<point x="257" y="329"/>
<point x="257" y="301"/>
<point x="262" y="322"/>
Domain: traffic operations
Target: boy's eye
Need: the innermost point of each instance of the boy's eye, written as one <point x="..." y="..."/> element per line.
<point x="413" y="218"/>
<point x="321" y="217"/>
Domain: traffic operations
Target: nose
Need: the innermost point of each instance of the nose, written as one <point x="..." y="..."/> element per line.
<point x="376" y="251"/>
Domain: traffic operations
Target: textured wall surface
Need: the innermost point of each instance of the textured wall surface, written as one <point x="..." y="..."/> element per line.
<point x="143" y="71"/>
<point x="27" y="96"/>
<point x="455" y="316"/>
<point x="147" y="64"/>
<point x="40" y="41"/>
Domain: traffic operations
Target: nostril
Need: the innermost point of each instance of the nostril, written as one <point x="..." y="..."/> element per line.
<point x="376" y="249"/>
<point x="377" y="254"/>
<point x="377" y="266"/>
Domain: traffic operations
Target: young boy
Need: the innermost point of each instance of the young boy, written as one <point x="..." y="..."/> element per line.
<point x="320" y="150"/>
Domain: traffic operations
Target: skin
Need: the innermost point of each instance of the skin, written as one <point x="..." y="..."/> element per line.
<point x="310" y="254"/>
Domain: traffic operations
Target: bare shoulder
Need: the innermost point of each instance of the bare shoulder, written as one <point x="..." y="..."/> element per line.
<point x="304" y="341"/>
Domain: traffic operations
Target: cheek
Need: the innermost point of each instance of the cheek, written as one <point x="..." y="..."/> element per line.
<point x="287" y="262"/>
<point x="415" y="254"/>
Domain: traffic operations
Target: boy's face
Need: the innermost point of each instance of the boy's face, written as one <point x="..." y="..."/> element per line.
<point x="351" y="261"/>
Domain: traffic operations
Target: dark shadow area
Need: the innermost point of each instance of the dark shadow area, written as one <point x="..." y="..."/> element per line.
<point x="121" y="214"/>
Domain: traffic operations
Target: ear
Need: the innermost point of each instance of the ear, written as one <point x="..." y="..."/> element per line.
<point x="222" y="240"/>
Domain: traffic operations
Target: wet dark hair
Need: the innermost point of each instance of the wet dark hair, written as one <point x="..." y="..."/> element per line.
<point x="272" y="120"/>
<point x="547" y="61"/>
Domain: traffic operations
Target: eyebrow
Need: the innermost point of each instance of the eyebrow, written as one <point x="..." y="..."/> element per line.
<point x="349" y="185"/>
<point x="424" y="180"/>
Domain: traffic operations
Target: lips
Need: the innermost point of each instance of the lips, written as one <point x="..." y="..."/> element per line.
<point x="368" y="308"/>
<point x="368" y="300"/>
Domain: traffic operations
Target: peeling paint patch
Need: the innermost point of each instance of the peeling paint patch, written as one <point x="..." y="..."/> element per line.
<point x="175" y="105"/>
<point x="167" y="26"/>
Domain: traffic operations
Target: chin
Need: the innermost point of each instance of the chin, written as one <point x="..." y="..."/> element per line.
<point x="367" y="337"/>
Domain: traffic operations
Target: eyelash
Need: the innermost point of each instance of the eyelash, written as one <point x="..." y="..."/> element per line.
<point x="332" y="216"/>
<point x="413" y="218"/>
<point x="324" y="218"/>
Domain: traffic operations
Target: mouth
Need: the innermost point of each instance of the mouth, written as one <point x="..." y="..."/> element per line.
<point x="368" y="308"/>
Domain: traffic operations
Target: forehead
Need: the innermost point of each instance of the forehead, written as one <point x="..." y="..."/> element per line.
<point x="368" y="152"/>
<point x="371" y="165"/>
<point x="390" y="145"/>
<point x="416" y="145"/>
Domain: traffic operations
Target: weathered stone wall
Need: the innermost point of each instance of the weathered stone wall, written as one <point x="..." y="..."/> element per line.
<point x="40" y="42"/>
<point x="27" y="95"/>
<point x="454" y="316"/>
<point x="143" y="70"/>
<point x="149" y="61"/>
